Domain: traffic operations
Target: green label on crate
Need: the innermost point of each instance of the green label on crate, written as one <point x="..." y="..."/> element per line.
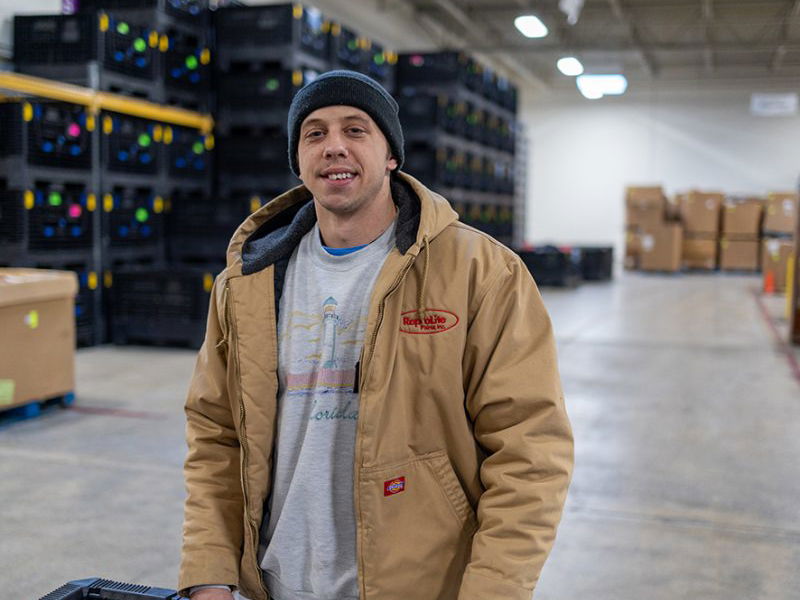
<point x="6" y="391"/>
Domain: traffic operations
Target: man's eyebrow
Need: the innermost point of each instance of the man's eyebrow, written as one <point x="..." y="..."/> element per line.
<point x="316" y="122"/>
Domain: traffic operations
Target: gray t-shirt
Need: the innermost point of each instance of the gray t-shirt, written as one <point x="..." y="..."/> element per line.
<point x="308" y="541"/>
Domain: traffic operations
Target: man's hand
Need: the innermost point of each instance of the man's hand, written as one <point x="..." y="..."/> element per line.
<point x="212" y="594"/>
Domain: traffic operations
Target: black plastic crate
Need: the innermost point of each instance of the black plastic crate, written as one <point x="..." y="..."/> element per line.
<point x="257" y="152"/>
<point x="199" y="227"/>
<point x="131" y="144"/>
<point x="53" y="134"/>
<point x="190" y="11"/>
<point x="245" y="32"/>
<point x="189" y="153"/>
<point x="347" y="49"/>
<point x="596" y="262"/>
<point x="425" y="111"/>
<point x="133" y="217"/>
<point x="88" y="328"/>
<point x="261" y="86"/>
<point x="552" y="266"/>
<point x="433" y="68"/>
<point x="438" y="167"/>
<point x="12" y="224"/>
<point x="160" y="306"/>
<point x="59" y="216"/>
<point x="118" y="45"/>
<point x="380" y="64"/>
<point x="186" y="60"/>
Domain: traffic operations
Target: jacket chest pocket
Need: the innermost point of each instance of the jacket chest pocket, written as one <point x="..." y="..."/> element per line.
<point x="415" y="520"/>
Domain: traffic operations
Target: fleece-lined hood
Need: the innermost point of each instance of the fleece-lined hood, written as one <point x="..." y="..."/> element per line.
<point x="271" y="233"/>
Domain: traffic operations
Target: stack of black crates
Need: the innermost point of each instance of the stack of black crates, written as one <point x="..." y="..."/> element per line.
<point x="143" y="209"/>
<point x="93" y="192"/>
<point x="459" y="121"/>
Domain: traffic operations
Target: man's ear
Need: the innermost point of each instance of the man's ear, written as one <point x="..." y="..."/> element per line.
<point x="391" y="164"/>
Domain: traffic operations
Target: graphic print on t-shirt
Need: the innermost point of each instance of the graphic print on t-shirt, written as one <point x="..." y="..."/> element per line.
<point x="330" y="368"/>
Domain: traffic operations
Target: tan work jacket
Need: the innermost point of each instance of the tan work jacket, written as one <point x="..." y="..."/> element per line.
<point x="463" y="451"/>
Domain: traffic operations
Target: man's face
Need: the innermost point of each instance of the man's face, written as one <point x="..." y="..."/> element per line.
<point x="344" y="158"/>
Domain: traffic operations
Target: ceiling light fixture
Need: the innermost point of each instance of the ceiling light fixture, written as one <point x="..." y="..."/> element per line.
<point x="570" y="66"/>
<point x="594" y="87"/>
<point x="530" y="26"/>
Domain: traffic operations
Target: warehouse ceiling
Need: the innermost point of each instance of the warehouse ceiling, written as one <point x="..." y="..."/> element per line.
<point x="656" y="40"/>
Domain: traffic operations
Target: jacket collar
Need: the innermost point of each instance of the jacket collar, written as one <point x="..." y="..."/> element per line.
<point x="271" y="233"/>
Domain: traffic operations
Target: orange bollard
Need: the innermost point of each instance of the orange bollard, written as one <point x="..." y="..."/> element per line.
<point x="769" y="282"/>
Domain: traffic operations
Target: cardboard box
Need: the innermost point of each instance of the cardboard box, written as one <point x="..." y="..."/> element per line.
<point x="781" y="213"/>
<point x="37" y="318"/>
<point x="644" y="217"/>
<point x="633" y="248"/>
<point x="699" y="252"/>
<point x="700" y="212"/>
<point x="661" y="248"/>
<point x="775" y="253"/>
<point x="741" y="218"/>
<point x="645" y="197"/>
<point x="739" y="255"/>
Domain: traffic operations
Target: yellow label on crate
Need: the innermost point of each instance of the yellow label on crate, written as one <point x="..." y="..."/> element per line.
<point x="108" y="279"/>
<point x="208" y="281"/>
<point x="208" y="141"/>
<point x="7" y="391"/>
<point x="336" y="29"/>
<point x="326" y="27"/>
<point x="27" y="111"/>
<point x="297" y="78"/>
<point x="392" y="58"/>
<point x="167" y="134"/>
<point x="297" y="11"/>
<point x="91" y="202"/>
<point x="108" y="202"/>
<point x="158" y="204"/>
<point x="108" y="125"/>
<point x="104" y="22"/>
<point x="152" y="39"/>
<point x="205" y="56"/>
<point x="89" y="122"/>
<point x="163" y="43"/>
<point x="255" y="203"/>
<point x="32" y="319"/>
<point x="158" y="133"/>
<point x="91" y="280"/>
<point x="28" y="199"/>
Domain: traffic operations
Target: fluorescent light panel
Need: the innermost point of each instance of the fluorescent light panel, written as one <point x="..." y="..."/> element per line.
<point x="570" y="66"/>
<point x="597" y="86"/>
<point x="530" y="26"/>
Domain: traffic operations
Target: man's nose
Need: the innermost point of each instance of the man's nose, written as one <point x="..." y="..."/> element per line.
<point x="335" y="146"/>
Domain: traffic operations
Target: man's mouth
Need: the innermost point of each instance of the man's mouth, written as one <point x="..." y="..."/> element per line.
<point x="338" y="176"/>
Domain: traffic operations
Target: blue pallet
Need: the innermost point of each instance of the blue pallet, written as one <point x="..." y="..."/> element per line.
<point x="34" y="408"/>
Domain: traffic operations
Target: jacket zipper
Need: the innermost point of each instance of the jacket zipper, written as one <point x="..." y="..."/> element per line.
<point x="242" y="428"/>
<point x="362" y="372"/>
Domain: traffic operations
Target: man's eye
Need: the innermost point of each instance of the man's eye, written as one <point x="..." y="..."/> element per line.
<point x="312" y="134"/>
<point x="356" y="130"/>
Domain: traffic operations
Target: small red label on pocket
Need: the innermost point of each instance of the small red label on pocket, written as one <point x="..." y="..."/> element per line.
<point x="394" y="486"/>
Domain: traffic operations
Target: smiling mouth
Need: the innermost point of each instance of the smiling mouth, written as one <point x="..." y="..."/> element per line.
<point x="339" y="176"/>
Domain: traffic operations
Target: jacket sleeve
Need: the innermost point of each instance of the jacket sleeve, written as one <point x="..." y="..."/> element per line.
<point x="213" y="512"/>
<point x="514" y="398"/>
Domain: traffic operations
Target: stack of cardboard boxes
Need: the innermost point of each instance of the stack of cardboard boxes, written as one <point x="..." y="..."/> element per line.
<point x="739" y="248"/>
<point x="653" y="243"/>
<point x="780" y="226"/>
<point x="699" y="213"/>
<point x="705" y="231"/>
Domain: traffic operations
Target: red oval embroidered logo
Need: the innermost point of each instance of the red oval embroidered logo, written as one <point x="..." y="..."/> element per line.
<point x="431" y="321"/>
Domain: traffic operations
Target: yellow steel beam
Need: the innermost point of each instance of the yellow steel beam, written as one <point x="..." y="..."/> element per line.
<point x="95" y="100"/>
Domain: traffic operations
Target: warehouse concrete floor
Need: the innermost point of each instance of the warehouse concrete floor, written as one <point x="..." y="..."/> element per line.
<point x="687" y="482"/>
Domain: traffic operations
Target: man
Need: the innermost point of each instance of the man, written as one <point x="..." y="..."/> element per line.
<point x="376" y="411"/>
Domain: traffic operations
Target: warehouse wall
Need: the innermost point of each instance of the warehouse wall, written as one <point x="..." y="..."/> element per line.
<point x="583" y="153"/>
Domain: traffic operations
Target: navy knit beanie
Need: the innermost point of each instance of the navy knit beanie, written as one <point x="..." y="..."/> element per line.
<point x="347" y="88"/>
